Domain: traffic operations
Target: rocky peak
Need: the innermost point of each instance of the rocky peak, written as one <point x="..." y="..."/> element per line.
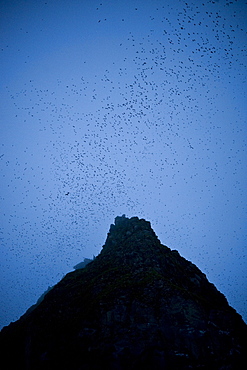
<point x="126" y="229"/>
<point x="137" y="305"/>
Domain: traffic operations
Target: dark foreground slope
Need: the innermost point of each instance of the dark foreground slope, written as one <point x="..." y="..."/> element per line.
<point x="138" y="305"/>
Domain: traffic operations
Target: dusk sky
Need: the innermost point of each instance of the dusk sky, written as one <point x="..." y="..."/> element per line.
<point x="110" y="107"/>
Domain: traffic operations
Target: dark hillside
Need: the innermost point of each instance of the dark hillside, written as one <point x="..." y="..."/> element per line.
<point x="137" y="305"/>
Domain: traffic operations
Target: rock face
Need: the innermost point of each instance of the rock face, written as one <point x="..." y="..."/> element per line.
<point x="137" y="305"/>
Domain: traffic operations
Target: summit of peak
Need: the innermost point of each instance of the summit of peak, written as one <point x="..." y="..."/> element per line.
<point x="128" y="229"/>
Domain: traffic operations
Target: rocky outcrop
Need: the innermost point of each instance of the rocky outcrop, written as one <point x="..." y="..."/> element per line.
<point x="82" y="264"/>
<point x="137" y="305"/>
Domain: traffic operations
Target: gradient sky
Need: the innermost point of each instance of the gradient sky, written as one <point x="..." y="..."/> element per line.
<point x="133" y="107"/>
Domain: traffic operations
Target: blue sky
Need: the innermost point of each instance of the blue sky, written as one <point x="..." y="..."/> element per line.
<point x="112" y="107"/>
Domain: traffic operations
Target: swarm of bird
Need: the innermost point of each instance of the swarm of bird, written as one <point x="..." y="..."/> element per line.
<point x="135" y="108"/>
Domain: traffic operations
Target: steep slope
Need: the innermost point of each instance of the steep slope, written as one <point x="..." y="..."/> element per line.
<point x="137" y="305"/>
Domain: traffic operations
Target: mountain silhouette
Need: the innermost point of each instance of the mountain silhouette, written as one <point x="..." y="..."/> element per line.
<point x="137" y="305"/>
